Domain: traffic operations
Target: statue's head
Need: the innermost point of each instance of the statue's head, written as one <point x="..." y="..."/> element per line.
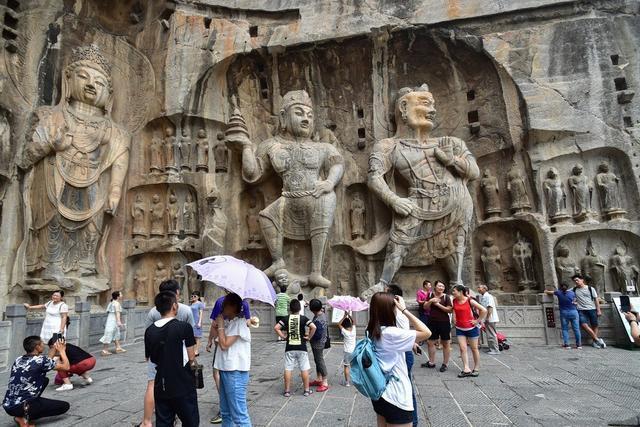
<point x="415" y="108"/>
<point x="189" y="197"/>
<point x="621" y="250"/>
<point x="488" y="241"/>
<point x="282" y="278"/>
<point x="562" y="251"/>
<point x="487" y="173"/>
<point x="186" y="131"/>
<point x="139" y="198"/>
<point x="202" y="133"/>
<point x="296" y="114"/>
<point x="156" y="198"/>
<point x="577" y="169"/>
<point x="604" y="167"/>
<point x="168" y="131"/>
<point x="177" y="266"/>
<point x="160" y="265"/>
<point x="172" y="197"/>
<point x="87" y="78"/>
<point x="553" y="173"/>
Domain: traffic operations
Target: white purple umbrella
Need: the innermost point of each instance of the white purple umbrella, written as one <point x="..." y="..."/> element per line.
<point x="236" y="276"/>
<point x="348" y="303"/>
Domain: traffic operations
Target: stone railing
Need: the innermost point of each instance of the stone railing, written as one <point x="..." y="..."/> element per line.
<point x="521" y="324"/>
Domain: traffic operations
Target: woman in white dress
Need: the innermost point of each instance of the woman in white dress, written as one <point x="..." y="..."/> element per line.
<point x="56" y="316"/>
<point x="113" y="325"/>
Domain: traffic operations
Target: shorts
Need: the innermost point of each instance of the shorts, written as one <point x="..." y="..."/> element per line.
<point x="296" y="359"/>
<point x="346" y="358"/>
<point x="439" y="330"/>
<point x="151" y="371"/>
<point x="391" y="413"/>
<point x="589" y="317"/>
<point x="473" y="333"/>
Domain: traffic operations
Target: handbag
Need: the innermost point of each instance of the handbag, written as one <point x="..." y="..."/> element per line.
<point x="327" y="343"/>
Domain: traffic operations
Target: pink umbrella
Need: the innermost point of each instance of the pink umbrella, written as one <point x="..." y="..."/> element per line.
<point x="348" y="303"/>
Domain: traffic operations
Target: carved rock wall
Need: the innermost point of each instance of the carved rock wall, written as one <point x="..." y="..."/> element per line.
<point x="529" y="86"/>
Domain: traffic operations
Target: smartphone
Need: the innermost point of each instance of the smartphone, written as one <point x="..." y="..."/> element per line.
<point x="418" y="351"/>
<point x="625" y="303"/>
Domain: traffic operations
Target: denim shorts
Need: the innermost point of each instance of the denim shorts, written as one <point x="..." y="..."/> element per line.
<point x="473" y="333"/>
<point x="590" y="317"/>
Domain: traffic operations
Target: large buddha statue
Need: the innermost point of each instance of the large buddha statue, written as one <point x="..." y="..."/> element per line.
<point x="309" y="171"/>
<point x="438" y="209"/>
<point x="77" y="160"/>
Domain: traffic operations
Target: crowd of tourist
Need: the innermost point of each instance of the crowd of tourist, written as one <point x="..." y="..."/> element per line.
<point x="174" y="330"/>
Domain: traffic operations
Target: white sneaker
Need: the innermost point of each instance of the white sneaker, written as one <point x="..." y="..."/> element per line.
<point x="88" y="381"/>
<point x="65" y="387"/>
<point x="602" y="343"/>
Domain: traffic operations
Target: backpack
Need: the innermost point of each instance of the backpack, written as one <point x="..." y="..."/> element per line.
<point x="366" y="374"/>
<point x="590" y="292"/>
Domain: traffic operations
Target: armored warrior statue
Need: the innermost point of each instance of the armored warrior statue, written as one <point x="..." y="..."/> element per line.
<point x="77" y="160"/>
<point x="491" y="193"/>
<point x="438" y="209"/>
<point x="309" y="170"/>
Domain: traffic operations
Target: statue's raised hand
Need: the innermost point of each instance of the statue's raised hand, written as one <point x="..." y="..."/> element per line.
<point x="112" y="202"/>
<point x="322" y="187"/>
<point x="444" y="151"/>
<point x="237" y="141"/>
<point x="403" y="206"/>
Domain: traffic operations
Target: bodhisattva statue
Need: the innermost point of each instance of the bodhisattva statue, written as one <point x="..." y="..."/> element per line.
<point x="184" y="149"/>
<point x="221" y="156"/>
<point x="309" y="170"/>
<point x="522" y="254"/>
<point x="517" y="188"/>
<point x="556" y="197"/>
<point x="170" y="150"/>
<point x="623" y="270"/>
<point x="161" y="274"/>
<point x="357" y="217"/>
<point x="593" y="268"/>
<point x="77" y="159"/>
<point x="178" y="274"/>
<point x="139" y="214"/>
<point x="174" y="214"/>
<point x="253" y="224"/>
<point x="565" y="266"/>
<point x="202" y="152"/>
<point x="156" y="154"/>
<point x="608" y="185"/>
<point x="190" y="216"/>
<point x="581" y="192"/>
<point x="140" y="288"/>
<point x="491" y="264"/>
<point x="157" y="216"/>
<point x="491" y="193"/>
<point x="438" y="209"/>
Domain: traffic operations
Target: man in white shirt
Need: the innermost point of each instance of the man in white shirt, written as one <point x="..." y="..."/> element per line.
<point x="489" y="302"/>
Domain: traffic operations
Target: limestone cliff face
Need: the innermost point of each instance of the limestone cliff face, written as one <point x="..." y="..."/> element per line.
<point x="529" y="86"/>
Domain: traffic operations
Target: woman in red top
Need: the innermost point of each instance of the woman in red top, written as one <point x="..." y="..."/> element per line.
<point x="467" y="327"/>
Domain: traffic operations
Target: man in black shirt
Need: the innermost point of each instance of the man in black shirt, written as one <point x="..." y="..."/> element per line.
<point x="81" y="363"/>
<point x="170" y="344"/>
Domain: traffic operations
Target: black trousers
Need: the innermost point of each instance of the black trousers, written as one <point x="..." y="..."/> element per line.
<point x="39" y="407"/>
<point x="185" y="408"/>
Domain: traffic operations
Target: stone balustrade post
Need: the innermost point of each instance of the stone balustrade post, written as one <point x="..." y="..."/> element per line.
<point x="129" y="319"/>
<point x="83" y="310"/>
<point x="17" y="314"/>
<point x="551" y="321"/>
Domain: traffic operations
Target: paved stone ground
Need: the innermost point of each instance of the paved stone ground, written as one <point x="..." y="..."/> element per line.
<point x="525" y="386"/>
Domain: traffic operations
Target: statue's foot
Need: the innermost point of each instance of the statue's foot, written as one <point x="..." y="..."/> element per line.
<point x="277" y="265"/>
<point x="316" y="279"/>
<point x="367" y="294"/>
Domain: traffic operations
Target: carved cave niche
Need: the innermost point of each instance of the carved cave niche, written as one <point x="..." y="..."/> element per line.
<point x="499" y="163"/>
<point x="504" y="234"/>
<point x="140" y="159"/>
<point x="465" y="84"/>
<point x="604" y="242"/>
<point x="619" y="163"/>
<point x="358" y="190"/>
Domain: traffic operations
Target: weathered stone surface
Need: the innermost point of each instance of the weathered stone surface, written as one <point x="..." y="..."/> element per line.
<point x="530" y="87"/>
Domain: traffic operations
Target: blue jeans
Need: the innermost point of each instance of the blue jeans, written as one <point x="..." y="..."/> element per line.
<point x="233" y="398"/>
<point x="409" y="358"/>
<point x="566" y="317"/>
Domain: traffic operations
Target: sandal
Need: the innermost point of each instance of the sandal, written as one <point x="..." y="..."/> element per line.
<point x="464" y="374"/>
<point x="120" y="350"/>
<point x="106" y="353"/>
<point x="287" y="394"/>
<point x="475" y="373"/>
<point x="307" y="393"/>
